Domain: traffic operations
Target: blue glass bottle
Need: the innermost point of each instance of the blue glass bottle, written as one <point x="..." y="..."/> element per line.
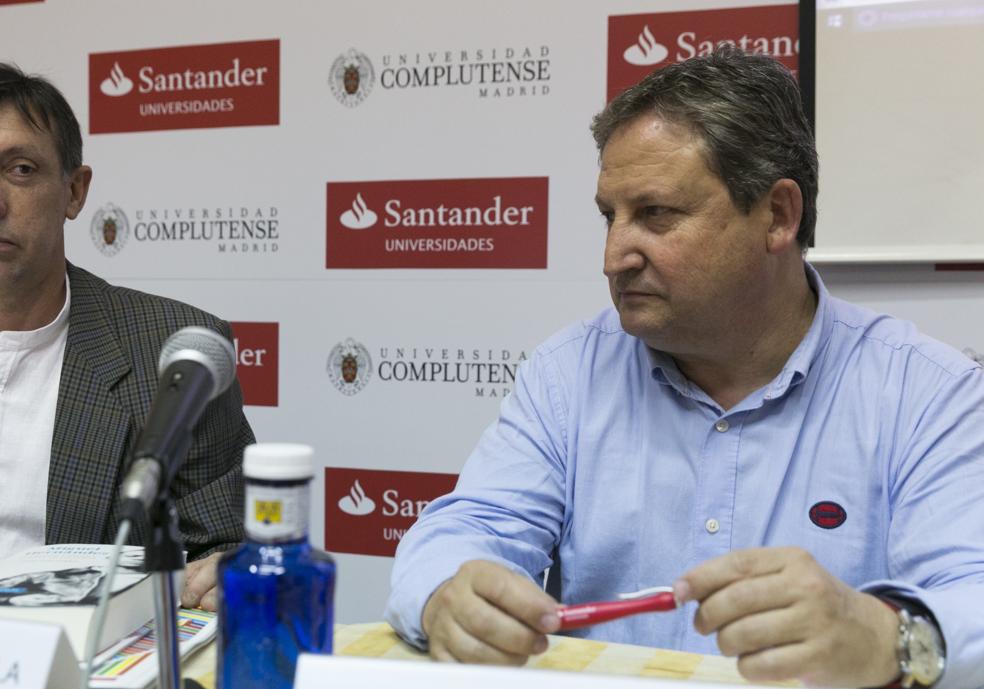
<point x="276" y="592"/>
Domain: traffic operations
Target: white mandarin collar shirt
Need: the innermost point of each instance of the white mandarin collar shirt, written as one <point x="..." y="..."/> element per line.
<point x="30" y="371"/>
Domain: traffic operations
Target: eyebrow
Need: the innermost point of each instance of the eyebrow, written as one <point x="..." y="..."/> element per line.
<point x="25" y="151"/>
<point x="648" y="198"/>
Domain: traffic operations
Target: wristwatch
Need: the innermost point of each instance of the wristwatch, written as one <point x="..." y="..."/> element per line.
<point x="922" y="657"/>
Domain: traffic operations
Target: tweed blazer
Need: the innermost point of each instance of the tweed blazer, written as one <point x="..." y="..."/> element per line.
<point x="108" y="381"/>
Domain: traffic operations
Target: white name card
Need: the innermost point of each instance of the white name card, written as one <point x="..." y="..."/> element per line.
<point x="314" y="671"/>
<point x="36" y="655"/>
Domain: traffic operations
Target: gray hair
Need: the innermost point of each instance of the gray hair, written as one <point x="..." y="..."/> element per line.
<point x="748" y="112"/>
<point x="46" y="109"/>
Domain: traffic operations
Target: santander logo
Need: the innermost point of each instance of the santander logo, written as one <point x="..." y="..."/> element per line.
<point x="117" y="83"/>
<point x="360" y="216"/>
<point x="639" y="43"/>
<point x="374" y="526"/>
<point x="357" y="503"/>
<point x="496" y="222"/>
<point x="185" y="87"/>
<point x="646" y="50"/>
<point x="257" y="347"/>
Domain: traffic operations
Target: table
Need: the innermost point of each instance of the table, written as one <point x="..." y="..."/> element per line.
<point x="378" y="640"/>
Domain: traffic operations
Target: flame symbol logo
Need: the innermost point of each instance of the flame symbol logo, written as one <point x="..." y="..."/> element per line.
<point x="357" y="502"/>
<point x="645" y="51"/>
<point x="117" y="84"/>
<point x="360" y="217"/>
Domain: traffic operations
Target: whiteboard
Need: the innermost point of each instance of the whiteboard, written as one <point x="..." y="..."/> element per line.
<point x="899" y="93"/>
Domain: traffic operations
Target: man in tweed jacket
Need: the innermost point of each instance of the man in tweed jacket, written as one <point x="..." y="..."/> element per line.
<point x="78" y="363"/>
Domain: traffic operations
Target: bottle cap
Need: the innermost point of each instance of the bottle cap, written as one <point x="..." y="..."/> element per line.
<point x="278" y="461"/>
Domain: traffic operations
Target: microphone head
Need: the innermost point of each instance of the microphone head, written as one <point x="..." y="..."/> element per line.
<point x="208" y="348"/>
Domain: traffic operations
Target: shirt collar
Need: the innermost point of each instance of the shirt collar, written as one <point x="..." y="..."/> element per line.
<point x="19" y="339"/>
<point x="665" y="371"/>
<point x="798" y="365"/>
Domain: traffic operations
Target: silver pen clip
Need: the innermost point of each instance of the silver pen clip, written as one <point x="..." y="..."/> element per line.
<point x="642" y="593"/>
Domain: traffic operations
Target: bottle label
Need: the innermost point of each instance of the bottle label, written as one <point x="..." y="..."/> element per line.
<point x="275" y="512"/>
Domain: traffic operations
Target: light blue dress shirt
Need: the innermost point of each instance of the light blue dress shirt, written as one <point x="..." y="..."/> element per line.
<point x="607" y="452"/>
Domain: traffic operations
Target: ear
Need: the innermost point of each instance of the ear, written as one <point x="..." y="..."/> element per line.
<point x="78" y="186"/>
<point x="786" y="204"/>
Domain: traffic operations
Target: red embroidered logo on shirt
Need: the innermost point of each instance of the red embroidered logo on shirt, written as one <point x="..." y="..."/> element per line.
<point x="827" y="514"/>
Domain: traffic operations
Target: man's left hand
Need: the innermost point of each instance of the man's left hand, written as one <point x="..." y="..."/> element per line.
<point x="784" y="616"/>
<point x="201" y="580"/>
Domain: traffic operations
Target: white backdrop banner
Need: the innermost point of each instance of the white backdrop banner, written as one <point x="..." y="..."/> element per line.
<point x="392" y="202"/>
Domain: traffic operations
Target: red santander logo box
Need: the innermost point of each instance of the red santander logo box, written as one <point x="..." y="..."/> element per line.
<point x="257" y="348"/>
<point x="496" y="222"/>
<point x="640" y="43"/>
<point x="187" y="87"/>
<point x="368" y="511"/>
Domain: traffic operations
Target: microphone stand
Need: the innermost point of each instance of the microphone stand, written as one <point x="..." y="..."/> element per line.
<point x="163" y="557"/>
<point x="196" y="365"/>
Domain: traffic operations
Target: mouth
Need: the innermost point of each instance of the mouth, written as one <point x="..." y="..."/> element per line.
<point x="635" y="294"/>
<point x="8" y="247"/>
<point x="633" y="285"/>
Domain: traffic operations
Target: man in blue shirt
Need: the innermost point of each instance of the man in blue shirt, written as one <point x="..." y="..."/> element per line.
<point x="808" y="474"/>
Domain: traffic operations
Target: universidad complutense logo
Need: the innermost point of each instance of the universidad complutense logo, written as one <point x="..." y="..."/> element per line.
<point x="640" y="43"/>
<point x="185" y="87"/>
<point x="367" y="511"/>
<point x="352" y="77"/>
<point x="483" y="371"/>
<point x="349" y="367"/>
<point x="498" y="222"/>
<point x="110" y="229"/>
<point x="257" y="347"/>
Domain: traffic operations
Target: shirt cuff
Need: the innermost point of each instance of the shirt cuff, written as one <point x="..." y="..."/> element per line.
<point x="405" y="607"/>
<point x="957" y="611"/>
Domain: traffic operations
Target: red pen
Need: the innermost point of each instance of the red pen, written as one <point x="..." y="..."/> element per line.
<point x="656" y="599"/>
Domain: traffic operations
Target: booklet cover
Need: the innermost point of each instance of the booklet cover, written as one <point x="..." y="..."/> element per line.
<point x="132" y="664"/>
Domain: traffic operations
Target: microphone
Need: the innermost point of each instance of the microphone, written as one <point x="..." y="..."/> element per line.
<point x="196" y="366"/>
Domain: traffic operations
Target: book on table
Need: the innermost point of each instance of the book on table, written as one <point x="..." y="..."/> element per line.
<point x="60" y="584"/>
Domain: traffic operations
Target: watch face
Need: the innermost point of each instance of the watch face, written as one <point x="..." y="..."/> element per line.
<point x="925" y="652"/>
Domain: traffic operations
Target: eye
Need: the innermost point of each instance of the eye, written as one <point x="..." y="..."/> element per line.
<point x="609" y="217"/>
<point x="655" y="211"/>
<point x="22" y="169"/>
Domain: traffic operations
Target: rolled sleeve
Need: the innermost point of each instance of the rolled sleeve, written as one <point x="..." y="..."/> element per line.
<point x="936" y="537"/>
<point x="507" y="507"/>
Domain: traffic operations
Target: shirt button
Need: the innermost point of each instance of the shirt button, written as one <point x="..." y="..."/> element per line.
<point x="722" y="426"/>
<point x="712" y="526"/>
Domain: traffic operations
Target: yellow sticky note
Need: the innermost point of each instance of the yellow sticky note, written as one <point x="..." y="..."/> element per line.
<point x="570" y="654"/>
<point x="671" y="664"/>
<point x="372" y="644"/>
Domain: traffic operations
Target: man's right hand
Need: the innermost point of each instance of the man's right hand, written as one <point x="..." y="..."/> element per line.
<point x="487" y="614"/>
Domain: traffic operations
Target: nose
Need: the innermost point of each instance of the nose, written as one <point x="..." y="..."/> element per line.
<point x="621" y="248"/>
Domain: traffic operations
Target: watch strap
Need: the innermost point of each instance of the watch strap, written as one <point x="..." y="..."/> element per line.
<point x="907" y="610"/>
<point x="904" y="680"/>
